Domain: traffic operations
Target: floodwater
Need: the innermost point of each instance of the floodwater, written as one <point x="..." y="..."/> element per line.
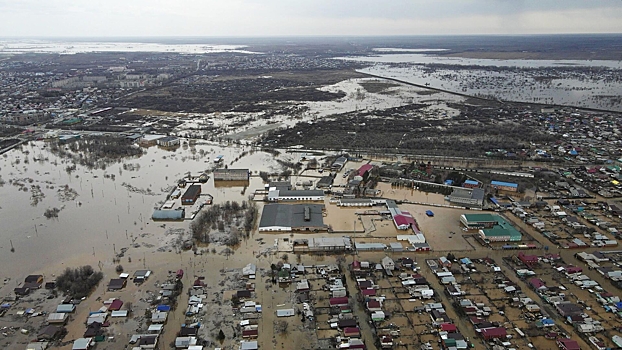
<point x="108" y="213"/>
<point x="581" y="83"/>
<point x="70" y="48"/>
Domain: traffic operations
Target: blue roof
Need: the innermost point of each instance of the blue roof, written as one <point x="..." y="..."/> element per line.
<point x="449" y="182"/>
<point x="471" y="182"/>
<point x="494" y="200"/>
<point x="501" y="183"/>
<point x="163" y="308"/>
<point x="547" y="321"/>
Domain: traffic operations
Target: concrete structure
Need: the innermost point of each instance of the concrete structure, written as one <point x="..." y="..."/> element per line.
<point x="292" y="217"/>
<point x="231" y="175"/>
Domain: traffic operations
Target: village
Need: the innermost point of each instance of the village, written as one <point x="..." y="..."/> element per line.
<point x="339" y="258"/>
<point x="279" y="197"/>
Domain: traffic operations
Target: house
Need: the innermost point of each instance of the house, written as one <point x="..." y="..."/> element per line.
<point x="49" y="333"/>
<point x="365" y="170"/>
<point x="537" y="284"/>
<point x="568" y="309"/>
<point x="65" y="308"/>
<point x="494" y="333"/>
<point x="353" y="332"/>
<point x="141" y="275"/>
<point x="83" y="344"/>
<point x="339" y="163"/>
<point x="116" y="284"/>
<point x="169" y="141"/>
<point x="529" y="260"/>
<point x="568" y="344"/>
<point x="249" y="345"/>
<point x="185" y="342"/>
<point x="148" y="341"/>
<point x="42" y="345"/>
<point x="33" y="281"/>
<point x="57" y="318"/>
<point x="191" y="195"/>
<point x="115" y="305"/>
<point x="158" y="317"/>
<point x="388" y="264"/>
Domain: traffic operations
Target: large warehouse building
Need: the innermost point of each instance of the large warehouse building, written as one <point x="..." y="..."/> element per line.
<point x="493" y="228"/>
<point x="231" y="174"/>
<point x="292" y="217"/>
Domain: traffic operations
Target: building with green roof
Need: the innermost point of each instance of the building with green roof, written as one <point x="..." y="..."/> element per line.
<point x="493" y="228"/>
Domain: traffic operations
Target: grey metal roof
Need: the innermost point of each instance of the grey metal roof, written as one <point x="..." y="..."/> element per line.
<point x="301" y="193"/>
<point x="291" y="215"/>
<point x="168" y="214"/>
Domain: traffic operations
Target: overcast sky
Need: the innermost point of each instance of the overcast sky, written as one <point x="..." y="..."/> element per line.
<point x="47" y="18"/>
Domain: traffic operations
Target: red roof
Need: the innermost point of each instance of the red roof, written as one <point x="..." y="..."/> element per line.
<point x="527" y="259"/>
<point x="115" y="305"/>
<point x="351" y="331"/>
<point x="364" y="168"/>
<point x="573" y="269"/>
<point x="368" y="292"/>
<point x="568" y="344"/>
<point x="537" y="283"/>
<point x="401" y="220"/>
<point x="491" y="333"/>
<point x="373" y="304"/>
<point x="250" y="333"/>
<point x="448" y="327"/>
<point x="338" y="301"/>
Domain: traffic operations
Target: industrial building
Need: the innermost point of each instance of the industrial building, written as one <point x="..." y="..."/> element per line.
<point x="492" y="228"/>
<point x="323" y="244"/>
<point x="191" y="195"/>
<point x="292" y="217"/>
<point x="275" y="195"/>
<point x="504" y="186"/>
<point x="231" y="175"/>
<point x="169" y="141"/>
<point x="478" y="220"/>
<point x="471" y="198"/>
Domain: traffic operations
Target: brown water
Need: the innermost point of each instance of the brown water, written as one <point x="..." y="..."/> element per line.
<point x="106" y="216"/>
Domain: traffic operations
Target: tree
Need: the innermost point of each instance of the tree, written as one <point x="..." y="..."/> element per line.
<point x="221" y="336"/>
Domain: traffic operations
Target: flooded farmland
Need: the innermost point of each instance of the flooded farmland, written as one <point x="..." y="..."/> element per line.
<point x="580" y="83"/>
